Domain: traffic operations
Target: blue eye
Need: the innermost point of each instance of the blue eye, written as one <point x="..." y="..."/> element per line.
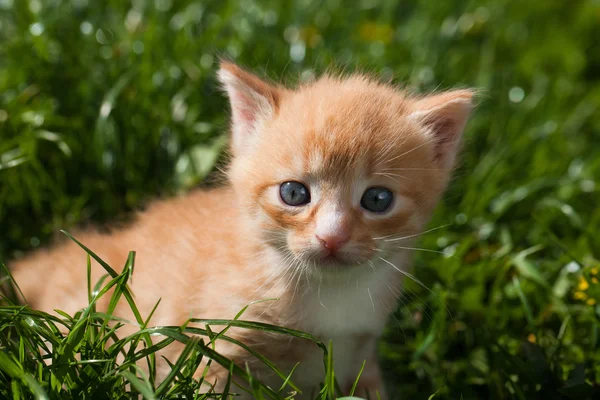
<point x="294" y="193"/>
<point x="377" y="199"/>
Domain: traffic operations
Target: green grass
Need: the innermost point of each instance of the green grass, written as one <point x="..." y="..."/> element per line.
<point x="104" y="106"/>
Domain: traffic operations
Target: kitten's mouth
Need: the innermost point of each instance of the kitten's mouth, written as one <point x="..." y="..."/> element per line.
<point x="336" y="260"/>
<point x="334" y="263"/>
<point x="331" y="258"/>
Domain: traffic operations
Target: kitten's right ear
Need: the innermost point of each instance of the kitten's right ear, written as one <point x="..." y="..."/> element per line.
<point x="252" y="101"/>
<point x="444" y="115"/>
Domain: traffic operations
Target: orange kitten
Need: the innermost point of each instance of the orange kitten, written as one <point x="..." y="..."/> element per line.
<point x="329" y="184"/>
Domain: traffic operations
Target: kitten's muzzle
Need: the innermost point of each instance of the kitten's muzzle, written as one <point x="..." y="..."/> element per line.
<point x="333" y="242"/>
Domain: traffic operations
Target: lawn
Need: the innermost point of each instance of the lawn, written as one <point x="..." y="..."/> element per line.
<point x="106" y="105"/>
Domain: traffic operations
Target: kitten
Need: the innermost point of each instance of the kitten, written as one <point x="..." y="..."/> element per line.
<point x="328" y="186"/>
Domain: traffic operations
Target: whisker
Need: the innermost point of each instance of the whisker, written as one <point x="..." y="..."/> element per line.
<point x="385" y="150"/>
<point x="300" y="271"/>
<point x="411" y="169"/>
<point x="396" y="320"/>
<point x="414" y="278"/>
<point x="371" y="297"/>
<point x="283" y="277"/>
<point x="392" y="176"/>
<point x="319" y="293"/>
<point x="388" y="236"/>
<point x="292" y="279"/>
<point x="306" y="277"/>
<point x="423" y="310"/>
<point x="372" y="266"/>
<point x="274" y="273"/>
<point x="411" y="150"/>
<point x="412" y="248"/>
<point x="417" y="234"/>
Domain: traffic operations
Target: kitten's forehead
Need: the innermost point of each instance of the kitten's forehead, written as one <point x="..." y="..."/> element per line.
<point x="327" y="155"/>
<point x="342" y="128"/>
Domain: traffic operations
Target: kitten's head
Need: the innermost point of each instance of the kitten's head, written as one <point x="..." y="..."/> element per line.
<point x="331" y="171"/>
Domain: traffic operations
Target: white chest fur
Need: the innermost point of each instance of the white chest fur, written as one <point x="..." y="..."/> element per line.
<point x="355" y="303"/>
<point x="351" y="311"/>
<point x="345" y="307"/>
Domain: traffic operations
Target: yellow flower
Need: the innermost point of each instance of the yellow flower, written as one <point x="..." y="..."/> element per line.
<point x="531" y="337"/>
<point x="594" y="271"/>
<point x="595" y="280"/>
<point x="580" y="296"/>
<point x="583" y="284"/>
<point x="590" y="302"/>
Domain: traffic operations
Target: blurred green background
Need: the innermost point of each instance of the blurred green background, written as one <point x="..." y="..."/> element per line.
<point x="107" y="104"/>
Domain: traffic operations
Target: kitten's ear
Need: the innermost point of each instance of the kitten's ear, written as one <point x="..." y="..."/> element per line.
<point x="252" y="100"/>
<point x="444" y="116"/>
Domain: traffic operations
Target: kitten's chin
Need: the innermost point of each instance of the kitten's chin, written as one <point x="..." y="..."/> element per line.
<point x="335" y="266"/>
<point x="337" y="262"/>
<point x="320" y="261"/>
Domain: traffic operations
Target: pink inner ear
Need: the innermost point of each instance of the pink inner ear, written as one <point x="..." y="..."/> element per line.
<point x="250" y="98"/>
<point x="244" y="112"/>
<point x="445" y="116"/>
<point x="446" y="134"/>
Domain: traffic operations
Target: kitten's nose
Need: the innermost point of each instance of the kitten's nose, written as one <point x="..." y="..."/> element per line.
<point x="334" y="241"/>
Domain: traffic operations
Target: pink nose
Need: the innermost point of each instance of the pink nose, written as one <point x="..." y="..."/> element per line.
<point x="334" y="242"/>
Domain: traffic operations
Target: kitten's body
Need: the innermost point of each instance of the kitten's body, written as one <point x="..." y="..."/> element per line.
<point x="214" y="273"/>
<point x="210" y="253"/>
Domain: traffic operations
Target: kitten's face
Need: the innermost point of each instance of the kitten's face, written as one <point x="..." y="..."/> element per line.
<point x="335" y="170"/>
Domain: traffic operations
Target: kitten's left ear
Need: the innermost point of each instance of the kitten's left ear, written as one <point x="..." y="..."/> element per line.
<point x="252" y="101"/>
<point x="444" y="116"/>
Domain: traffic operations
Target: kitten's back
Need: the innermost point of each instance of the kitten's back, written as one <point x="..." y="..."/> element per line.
<point x="181" y="244"/>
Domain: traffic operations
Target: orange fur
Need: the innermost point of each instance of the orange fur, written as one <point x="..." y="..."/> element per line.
<point x="210" y="253"/>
